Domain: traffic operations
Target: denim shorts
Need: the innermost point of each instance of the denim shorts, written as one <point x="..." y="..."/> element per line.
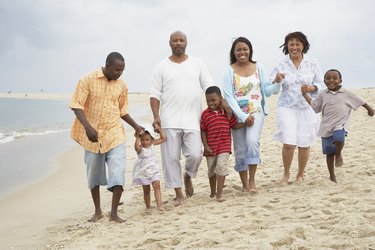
<point x="328" y="143"/>
<point x="112" y="162"/>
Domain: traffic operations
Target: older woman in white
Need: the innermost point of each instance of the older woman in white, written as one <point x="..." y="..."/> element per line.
<point x="297" y="124"/>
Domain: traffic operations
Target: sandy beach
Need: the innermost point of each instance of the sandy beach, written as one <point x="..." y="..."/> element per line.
<point x="52" y="213"/>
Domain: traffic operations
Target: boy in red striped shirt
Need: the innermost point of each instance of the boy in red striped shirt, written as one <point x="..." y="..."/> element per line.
<point x="216" y="138"/>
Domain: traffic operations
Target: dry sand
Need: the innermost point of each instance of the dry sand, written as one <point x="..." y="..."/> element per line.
<point x="315" y="214"/>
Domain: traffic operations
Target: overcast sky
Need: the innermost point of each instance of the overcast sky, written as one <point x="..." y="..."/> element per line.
<point x="50" y="44"/>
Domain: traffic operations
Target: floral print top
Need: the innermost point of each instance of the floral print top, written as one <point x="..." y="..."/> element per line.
<point x="308" y="73"/>
<point x="248" y="93"/>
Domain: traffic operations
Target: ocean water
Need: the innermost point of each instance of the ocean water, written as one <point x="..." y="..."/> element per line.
<point x="32" y="132"/>
<point x="22" y="117"/>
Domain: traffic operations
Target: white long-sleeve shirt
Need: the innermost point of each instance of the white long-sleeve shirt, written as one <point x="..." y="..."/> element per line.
<point x="179" y="88"/>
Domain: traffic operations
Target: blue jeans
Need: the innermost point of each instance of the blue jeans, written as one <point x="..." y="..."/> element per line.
<point x="246" y="144"/>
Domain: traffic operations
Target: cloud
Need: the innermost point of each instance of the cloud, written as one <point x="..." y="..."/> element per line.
<point x="51" y="44"/>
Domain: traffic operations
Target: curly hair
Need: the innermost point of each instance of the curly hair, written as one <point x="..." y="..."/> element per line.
<point x="300" y="37"/>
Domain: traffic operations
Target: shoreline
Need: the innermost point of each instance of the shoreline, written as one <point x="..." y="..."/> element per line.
<point x="30" y="159"/>
<point x="51" y="96"/>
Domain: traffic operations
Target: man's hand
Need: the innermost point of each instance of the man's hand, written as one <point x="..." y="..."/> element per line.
<point x="91" y="134"/>
<point x="157" y="124"/>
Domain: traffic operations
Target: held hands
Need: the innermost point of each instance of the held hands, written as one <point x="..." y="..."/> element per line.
<point x="250" y="121"/>
<point x="308" y="89"/>
<point x="157" y="124"/>
<point x="279" y="77"/>
<point x="304" y="89"/>
<point x="207" y="150"/>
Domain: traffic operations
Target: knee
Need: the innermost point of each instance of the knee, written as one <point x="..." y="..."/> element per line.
<point x="289" y="147"/>
<point x="194" y="156"/>
<point x="156" y="185"/>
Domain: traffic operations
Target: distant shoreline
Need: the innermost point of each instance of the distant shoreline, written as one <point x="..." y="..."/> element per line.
<point x="47" y="96"/>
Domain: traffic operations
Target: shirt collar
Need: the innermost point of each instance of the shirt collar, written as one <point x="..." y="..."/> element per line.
<point x="101" y="73"/>
<point x="341" y="90"/>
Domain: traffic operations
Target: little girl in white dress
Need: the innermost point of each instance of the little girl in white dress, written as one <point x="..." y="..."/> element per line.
<point x="146" y="171"/>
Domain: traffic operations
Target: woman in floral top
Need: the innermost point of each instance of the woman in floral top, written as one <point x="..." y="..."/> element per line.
<point x="246" y="89"/>
<point x="297" y="124"/>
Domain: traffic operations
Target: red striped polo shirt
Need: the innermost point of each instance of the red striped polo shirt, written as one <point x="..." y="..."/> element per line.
<point x="217" y="127"/>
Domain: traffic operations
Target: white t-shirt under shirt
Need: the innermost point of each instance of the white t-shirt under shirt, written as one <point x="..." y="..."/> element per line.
<point x="179" y="88"/>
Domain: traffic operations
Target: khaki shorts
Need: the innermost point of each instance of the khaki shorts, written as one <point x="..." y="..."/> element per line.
<point x="218" y="164"/>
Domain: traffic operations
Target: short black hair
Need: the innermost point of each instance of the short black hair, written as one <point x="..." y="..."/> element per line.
<point x="112" y="57"/>
<point x="335" y="70"/>
<point x="212" y="90"/>
<point x="300" y="37"/>
<point x="240" y="39"/>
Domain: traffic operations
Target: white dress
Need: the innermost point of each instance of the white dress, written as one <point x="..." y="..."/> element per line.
<point x="146" y="169"/>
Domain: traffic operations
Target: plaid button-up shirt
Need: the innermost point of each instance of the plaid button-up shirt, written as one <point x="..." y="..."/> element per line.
<point x="104" y="103"/>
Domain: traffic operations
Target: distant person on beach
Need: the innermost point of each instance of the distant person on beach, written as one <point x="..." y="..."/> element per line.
<point x="99" y="102"/>
<point x="175" y="99"/>
<point x="246" y="89"/>
<point x="146" y="171"/>
<point x="336" y="104"/>
<point x="297" y="124"/>
<point x="216" y="138"/>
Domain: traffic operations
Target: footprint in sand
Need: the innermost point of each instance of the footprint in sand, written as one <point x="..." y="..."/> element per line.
<point x="275" y="200"/>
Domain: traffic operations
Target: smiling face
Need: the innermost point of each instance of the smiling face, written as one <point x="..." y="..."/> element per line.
<point x="242" y="52"/>
<point x="332" y="80"/>
<point x="213" y="101"/>
<point x="114" y="70"/>
<point x="178" y="43"/>
<point x="295" y="48"/>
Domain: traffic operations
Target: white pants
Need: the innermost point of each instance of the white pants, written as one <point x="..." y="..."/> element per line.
<point x="187" y="141"/>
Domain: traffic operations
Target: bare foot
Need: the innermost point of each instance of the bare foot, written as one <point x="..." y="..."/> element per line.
<point x="212" y="195"/>
<point x="189" y="190"/>
<point x="178" y="202"/>
<point x="253" y="191"/>
<point x="333" y="178"/>
<point x="284" y="180"/>
<point x="339" y="161"/>
<point x="299" y="179"/>
<point x="220" y="198"/>
<point x="245" y="189"/>
<point x="96" y="217"/>
<point x="161" y="209"/>
<point x="115" y="218"/>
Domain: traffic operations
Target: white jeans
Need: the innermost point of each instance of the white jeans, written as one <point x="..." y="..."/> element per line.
<point x="187" y="141"/>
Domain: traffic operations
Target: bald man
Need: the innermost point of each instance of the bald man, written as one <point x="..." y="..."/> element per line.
<point x="176" y="96"/>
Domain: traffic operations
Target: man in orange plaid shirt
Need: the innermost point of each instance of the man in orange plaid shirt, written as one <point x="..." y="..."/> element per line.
<point x="99" y="102"/>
